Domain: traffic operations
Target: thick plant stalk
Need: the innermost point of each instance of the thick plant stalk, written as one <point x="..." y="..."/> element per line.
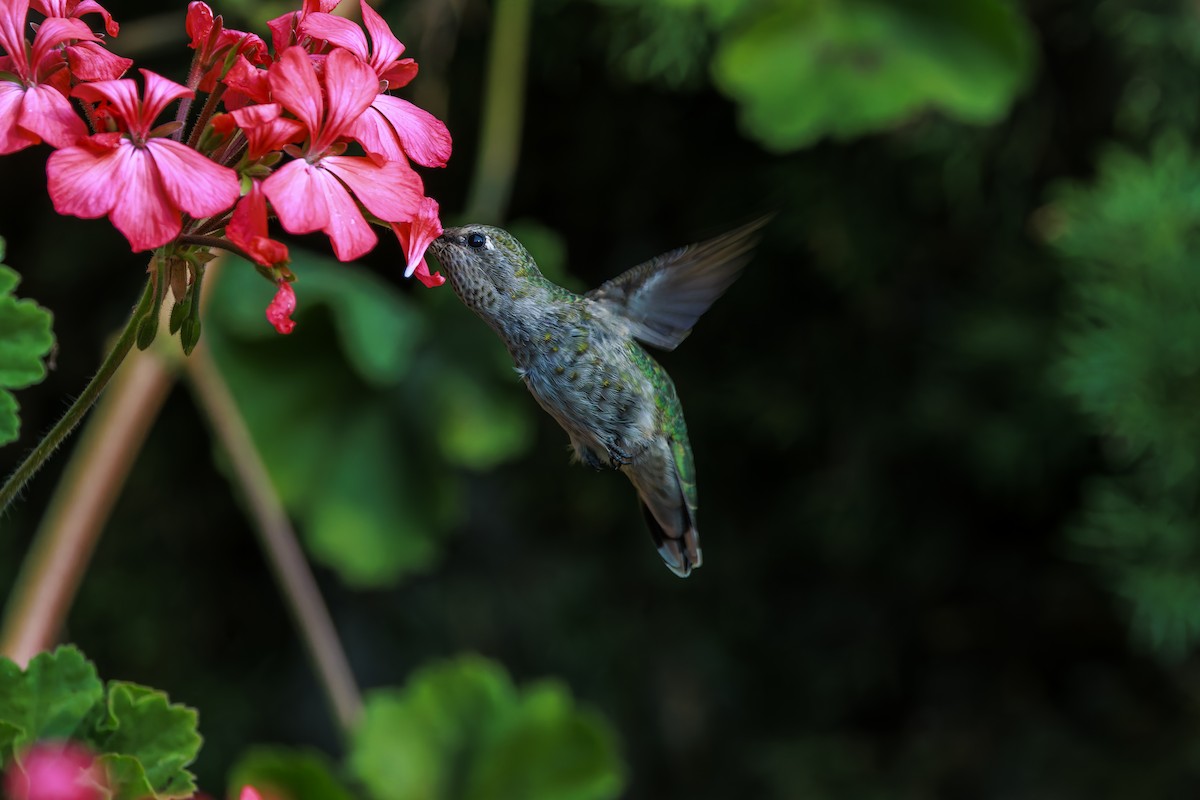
<point x="503" y="112"/>
<point x="286" y="559"/>
<point x="63" y="545"/>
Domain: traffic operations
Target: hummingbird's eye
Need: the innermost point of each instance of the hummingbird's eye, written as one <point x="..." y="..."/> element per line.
<point x="476" y="240"/>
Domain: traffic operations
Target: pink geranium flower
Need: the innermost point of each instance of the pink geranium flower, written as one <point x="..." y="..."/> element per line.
<point x="137" y="177"/>
<point x="35" y="106"/>
<point x="76" y="9"/>
<point x="55" y="771"/>
<point x="285" y="29"/>
<point x="88" y="60"/>
<point x="214" y="42"/>
<point x="391" y="129"/>
<point x="318" y="190"/>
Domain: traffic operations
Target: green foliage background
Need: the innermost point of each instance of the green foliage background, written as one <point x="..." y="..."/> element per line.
<point x="945" y="424"/>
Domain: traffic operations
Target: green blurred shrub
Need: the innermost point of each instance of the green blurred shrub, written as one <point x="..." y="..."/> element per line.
<point x="1132" y="362"/>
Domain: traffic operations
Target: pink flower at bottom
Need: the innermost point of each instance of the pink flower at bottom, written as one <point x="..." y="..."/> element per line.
<point x="54" y="771"/>
<point x="279" y="314"/>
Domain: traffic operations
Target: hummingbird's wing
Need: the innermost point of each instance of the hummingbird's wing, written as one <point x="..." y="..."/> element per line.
<point x="663" y="298"/>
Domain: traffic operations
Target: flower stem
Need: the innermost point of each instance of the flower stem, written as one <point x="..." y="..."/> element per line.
<point x="62" y="547"/>
<point x="503" y="111"/>
<point x="278" y="538"/>
<point x="80" y="407"/>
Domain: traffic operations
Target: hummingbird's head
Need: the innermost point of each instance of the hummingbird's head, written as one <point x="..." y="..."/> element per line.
<point x="484" y="264"/>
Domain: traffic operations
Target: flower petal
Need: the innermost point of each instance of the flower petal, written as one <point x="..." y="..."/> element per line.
<point x="418" y="134"/>
<point x="399" y="74"/>
<point x="198" y="23"/>
<point x="279" y="314"/>
<point x="159" y="92"/>
<point x="90" y="61"/>
<point x="350" y="86"/>
<point x="78" y="179"/>
<point x="12" y="136"/>
<point x="390" y="191"/>
<point x="194" y="184"/>
<point x="294" y="84"/>
<point x="385" y="47"/>
<point x="307" y="197"/>
<point x="248" y="229"/>
<point x="141" y="209"/>
<point x="54" y="31"/>
<point x="48" y="114"/>
<point x="338" y="31"/>
<point x="12" y="33"/>
<point x="245" y="79"/>
<point x="301" y="209"/>
<point x="416" y="234"/>
<point x="265" y="130"/>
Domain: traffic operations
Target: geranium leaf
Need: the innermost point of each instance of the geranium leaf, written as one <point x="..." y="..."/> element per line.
<point x="51" y="699"/>
<point x="462" y="730"/>
<point x="25" y="340"/>
<point x="804" y="70"/>
<point x="143" y="724"/>
<point x="294" y="774"/>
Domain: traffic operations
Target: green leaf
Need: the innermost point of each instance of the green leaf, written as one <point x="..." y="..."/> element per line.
<point x="126" y="777"/>
<point x="548" y="749"/>
<point x="462" y="730"/>
<point x="51" y="699"/>
<point x="287" y="774"/>
<point x="1131" y="362"/>
<point x="478" y="428"/>
<point x="805" y="69"/>
<point x="161" y="737"/>
<point x="25" y="340"/>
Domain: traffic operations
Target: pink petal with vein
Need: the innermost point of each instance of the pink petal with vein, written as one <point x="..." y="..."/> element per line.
<point x="89" y="61"/>
<point x="294" y="84"/>
<point x="338" y="31"/>
<point x="56" y="30"/>
<point x="48" y="114"/>
<point x="407" y="130"/>
<point x="78" y="179"/>
<point x="390" y="191"/>
<point x="12" y="32"/>
<point x="12" y="136"/>
<point x="399" y="74"/>
<point x="308" y="198"/>
<point x="192" y="182"/>
<point x="385" y="47"/>
<point x="350" y="86"/>
<point x="159" y="92"/>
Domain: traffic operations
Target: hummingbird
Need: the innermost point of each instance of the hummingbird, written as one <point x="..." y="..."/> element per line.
<point x="582" y="357"/>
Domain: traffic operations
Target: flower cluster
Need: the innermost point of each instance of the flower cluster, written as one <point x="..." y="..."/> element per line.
<point x="273" y="137"/>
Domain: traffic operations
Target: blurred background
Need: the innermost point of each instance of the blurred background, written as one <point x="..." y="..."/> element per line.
<point x="946" y="425"/>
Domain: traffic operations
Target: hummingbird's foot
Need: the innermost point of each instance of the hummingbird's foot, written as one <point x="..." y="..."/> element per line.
<point x="589" y="458"/>
<point x="617" y="456"/>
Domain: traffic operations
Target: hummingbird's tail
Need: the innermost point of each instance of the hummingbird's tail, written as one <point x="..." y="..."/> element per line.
<point x="680" y="546"/>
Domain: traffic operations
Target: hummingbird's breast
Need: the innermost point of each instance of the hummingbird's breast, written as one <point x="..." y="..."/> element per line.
<point x="578" y="366"/>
